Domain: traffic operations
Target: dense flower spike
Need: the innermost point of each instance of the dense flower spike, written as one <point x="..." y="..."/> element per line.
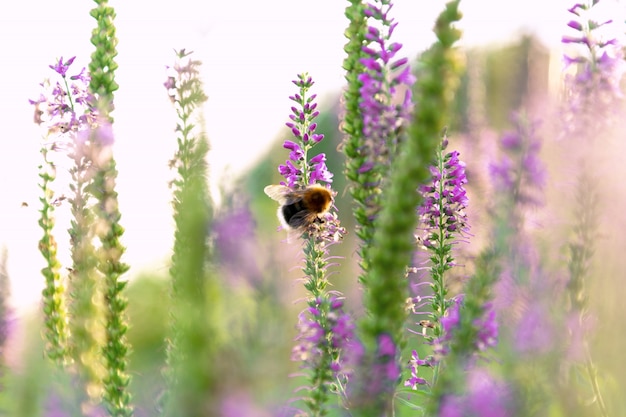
<point x="384" y="103"/>
<point x="382" y="78"/>
<point x="324" y="328"/>
<point x="298" y="170"/>
<point x="55" y="312"/>
<point x="443" y="221"/>
<point x="107" y="215"/>
<point x="386" y="286"/>
<point x="443" y="224"/>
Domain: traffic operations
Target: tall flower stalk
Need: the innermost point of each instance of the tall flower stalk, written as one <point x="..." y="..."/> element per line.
<point x="86" y="294"/>
<point x="373" y="120"/>
<point x="594" y="98"/>
<point x="392" y="243"/>
<point x="470" y="326"/>
<point x="192" y="343"/>
<point x="443" y="225"/>
<point x="324" y="327"/>
<point x="107" y="214"/>
<point x="374" y="123"/>
<point x="65" y="110"/>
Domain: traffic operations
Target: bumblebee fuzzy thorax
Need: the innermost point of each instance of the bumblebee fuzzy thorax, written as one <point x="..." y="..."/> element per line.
<point x="317" y="199"/>
<point x="300" y="208"/>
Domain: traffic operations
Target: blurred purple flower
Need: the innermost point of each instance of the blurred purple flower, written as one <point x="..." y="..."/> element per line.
<point x="487" y="397"/>
<point x="535" y="334"/>
<point x="487" y="329"/>
<point x="519" y="174"/>
<point x="484" y="397"/>
<point x="54" y="406"/>
<point x="235" y="242"/>
<point x="377" y="376"/>
<point x="451" y="406"/>
<point x="236" y="404"/>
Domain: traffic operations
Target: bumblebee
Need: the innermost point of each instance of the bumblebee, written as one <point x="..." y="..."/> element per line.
<point x="300" y="208"/>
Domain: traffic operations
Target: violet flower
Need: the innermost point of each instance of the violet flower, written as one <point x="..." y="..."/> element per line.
<point x="63" y="108"/>
<point x="235" y="240"/>
<point x="485" y="397"/>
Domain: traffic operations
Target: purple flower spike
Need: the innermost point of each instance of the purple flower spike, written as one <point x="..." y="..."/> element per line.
<point x="594" y="90"/>
<point x="380" y="81"/>
<point x="314" y="339"/>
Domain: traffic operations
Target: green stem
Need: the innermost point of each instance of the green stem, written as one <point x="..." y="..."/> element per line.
<point x="55" y="314"/>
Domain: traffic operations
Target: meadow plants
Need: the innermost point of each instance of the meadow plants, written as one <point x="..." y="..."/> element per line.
<point x="450" y="318"/>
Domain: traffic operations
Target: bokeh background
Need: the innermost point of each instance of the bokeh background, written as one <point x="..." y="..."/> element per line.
<point x="250" y="50"/>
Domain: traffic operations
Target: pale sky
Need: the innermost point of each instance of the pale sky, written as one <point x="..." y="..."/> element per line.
<point x="251" y="51"/>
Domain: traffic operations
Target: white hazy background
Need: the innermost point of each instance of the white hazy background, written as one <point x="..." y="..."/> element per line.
<point x="251" y="50"/>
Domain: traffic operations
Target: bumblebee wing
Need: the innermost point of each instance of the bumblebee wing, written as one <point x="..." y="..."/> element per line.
<point x="302" y="218"/>
<point x="277" y="192"/>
